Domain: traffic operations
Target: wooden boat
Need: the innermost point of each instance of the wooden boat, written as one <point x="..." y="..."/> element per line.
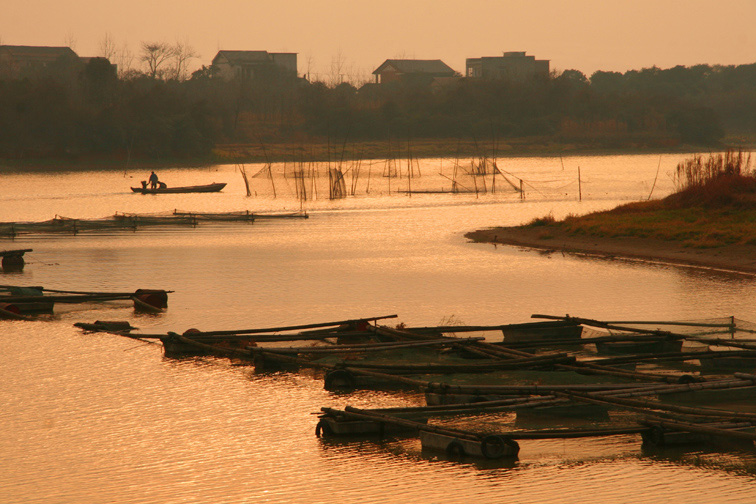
<point x="214" y="187"/>
<point x="534" y="331"/>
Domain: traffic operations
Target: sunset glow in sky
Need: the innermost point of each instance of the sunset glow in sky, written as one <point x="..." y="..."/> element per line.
<point x="587" y="35"/>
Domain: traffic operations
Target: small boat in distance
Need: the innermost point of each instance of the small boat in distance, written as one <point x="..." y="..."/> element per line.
<point x="214" y="187"/>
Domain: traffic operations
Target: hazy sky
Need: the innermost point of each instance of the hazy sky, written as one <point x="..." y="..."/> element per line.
<point x="587" y="35"/>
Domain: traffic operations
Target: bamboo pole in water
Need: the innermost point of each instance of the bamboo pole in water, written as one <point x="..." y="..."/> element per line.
<point x="474" y="436"/>
<point x="265" y="338"/>
<point x="671" y="323"/>
<point x="701" y="429"/>
<point x="316" y="335"/>
<point x="366" y="347"/>
<point x="605" y="325"/>
<point x="657" y="414"/>
<point x="69" y="299"/>
<point x="656" y="405"/>
<point x="296" y="327"/>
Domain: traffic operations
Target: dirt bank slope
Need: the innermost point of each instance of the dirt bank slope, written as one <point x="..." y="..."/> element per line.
<point x="732" y="257"/>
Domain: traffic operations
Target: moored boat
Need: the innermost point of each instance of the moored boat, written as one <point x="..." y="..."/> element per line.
<point x="534" y="331"/>
<point x="214" y="187"/>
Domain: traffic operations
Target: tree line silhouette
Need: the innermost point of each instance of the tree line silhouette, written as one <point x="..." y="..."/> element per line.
<point x="146" y="116"/>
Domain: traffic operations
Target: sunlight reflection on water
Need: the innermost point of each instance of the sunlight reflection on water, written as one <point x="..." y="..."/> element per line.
<point x="97" y="418"/>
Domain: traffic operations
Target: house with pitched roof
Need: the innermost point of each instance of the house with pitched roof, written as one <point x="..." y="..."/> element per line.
<point x="405" y="70"/>
<point x="254" y="65"/>
<point x="512" y="66"/>
<point x="21" y="62"/>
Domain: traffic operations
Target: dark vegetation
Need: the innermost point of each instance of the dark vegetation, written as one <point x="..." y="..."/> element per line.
<point x="715" y="205"/>
<point x="98" y="114"/>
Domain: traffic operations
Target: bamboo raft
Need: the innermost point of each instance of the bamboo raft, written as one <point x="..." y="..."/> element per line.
<point x="23" y="303"/>
<point x="487" y="356"/>
<point x="658" y="424"/>
<point x="134" y="222"/>
<point x="523" y="376"/>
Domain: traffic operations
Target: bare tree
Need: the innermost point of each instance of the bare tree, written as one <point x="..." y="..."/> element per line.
<point x="356" y="76"/>
<point x="155" y="55"/>
<point x="182" y="54"/>
<point x="70" y="40"/>
<point x="337" y="69"/>
<point x="124" y="60"/>
<point x="108" y="47"/>
<point x="310" y="61"/>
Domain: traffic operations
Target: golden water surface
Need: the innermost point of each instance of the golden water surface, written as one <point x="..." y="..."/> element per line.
<point x="96" y="418"/>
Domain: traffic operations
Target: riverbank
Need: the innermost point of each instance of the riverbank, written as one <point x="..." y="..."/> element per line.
<point x="710" y="221"/>
<point x="740" y="258"/>
<point x="320" y="150"/>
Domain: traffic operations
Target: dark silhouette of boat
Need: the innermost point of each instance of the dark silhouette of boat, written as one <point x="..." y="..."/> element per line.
<point x="214" y="187"/>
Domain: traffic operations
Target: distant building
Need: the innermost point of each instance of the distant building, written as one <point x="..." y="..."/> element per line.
<point x="254" y="65"/>
<point x="513" y="66"/>
<point x="21" y="62"/>
<point x="101" y="62"/>
<point x="426" y="71"/>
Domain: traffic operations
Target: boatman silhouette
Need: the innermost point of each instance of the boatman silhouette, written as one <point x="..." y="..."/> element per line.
<point x="153" y="181"/>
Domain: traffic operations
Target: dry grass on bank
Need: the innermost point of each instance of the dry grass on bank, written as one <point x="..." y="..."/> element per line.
<point x="714" y="206"/>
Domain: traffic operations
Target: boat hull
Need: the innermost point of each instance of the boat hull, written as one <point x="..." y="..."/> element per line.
<point x="537" y="331"/>
<point x="214" y="187"/>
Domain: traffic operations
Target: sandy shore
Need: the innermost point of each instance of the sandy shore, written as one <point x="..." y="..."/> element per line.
<point x="740" y="258"/>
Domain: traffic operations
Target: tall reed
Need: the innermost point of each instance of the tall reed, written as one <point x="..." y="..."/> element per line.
<point x="699" y="171"/>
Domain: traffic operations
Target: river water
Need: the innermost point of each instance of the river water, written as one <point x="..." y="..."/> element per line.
<point x="95" y="418"/>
